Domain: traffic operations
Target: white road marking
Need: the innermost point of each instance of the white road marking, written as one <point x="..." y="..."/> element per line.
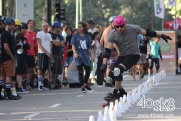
<point x="55" y="105"/>
<point x="31" y="116"/>
<point x="2" y="113"/>
<point x="79" y="95"/>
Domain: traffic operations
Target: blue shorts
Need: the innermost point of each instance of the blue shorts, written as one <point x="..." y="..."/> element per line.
<point x="42" y="61"/>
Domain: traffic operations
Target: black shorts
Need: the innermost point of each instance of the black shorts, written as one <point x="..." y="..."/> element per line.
<point x="42" y="61"/>
<point x="127" y="61"/>
<point x="154" y="60"/>
<point x="21" y="65"/>
<point x="31" y="61"/>
<point x="57" y="65"/>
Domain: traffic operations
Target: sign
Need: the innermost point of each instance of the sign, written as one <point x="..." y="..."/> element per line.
<point x="172" y="3"/>
<point x="25" y="10"/>
<point x="159" y="8"/>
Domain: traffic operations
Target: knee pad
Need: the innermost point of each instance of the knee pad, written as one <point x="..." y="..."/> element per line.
<point x="118" y="73"/>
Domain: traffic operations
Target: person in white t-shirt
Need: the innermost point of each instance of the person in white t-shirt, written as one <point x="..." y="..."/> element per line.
<point x="44" y="53"/>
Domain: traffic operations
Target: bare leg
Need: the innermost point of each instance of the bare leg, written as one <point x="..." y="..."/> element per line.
<point x="29" y="75"/>
<point x="133" y="72"/>
<point x="19" y="80"/>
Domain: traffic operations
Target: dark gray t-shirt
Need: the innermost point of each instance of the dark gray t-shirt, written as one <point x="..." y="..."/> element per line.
<point x="82" y="44"/>
<point x="127" y="41"/>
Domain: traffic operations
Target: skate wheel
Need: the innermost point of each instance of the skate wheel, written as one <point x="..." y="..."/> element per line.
<point x="104" y="105"/>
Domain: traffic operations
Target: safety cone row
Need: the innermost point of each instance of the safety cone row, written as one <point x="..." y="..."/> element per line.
<point x="113" y="111"/>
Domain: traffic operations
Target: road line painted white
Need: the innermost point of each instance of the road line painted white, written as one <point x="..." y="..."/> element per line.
<point x="79" y="95"/>
<point x="31" y="115"/>
<point x="55" y="105"/>
<point x="2" y="113"/>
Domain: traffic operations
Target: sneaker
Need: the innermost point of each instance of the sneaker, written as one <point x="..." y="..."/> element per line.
<point x="52" y="86"/>
<point x="83" y="90"/>
<point x="109" y="80"/>
<point x="12" y="97"/>
<point x="56" y="87"/>
<point x="121" y="93"/>
<point x="40" y="88"/>
<point x="88" y="88"/>
<point x="111" y="96"/>
<point x="19" y="96"/>
<point x="45" y="88"/>
<point x="29" y="87"/>
<point x="20" y="90"/>
<point x="108" y="85"/>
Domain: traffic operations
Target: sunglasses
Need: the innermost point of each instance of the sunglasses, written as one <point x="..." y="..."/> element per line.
<point x="119" y="26"/>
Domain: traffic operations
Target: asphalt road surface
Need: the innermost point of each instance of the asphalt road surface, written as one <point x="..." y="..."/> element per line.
<point x="72" y="105"/>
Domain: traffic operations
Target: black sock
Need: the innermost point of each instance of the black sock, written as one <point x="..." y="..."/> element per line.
<point x="115" y="91"/>
<point x="122" y="91"/>
<point x="8" y="89"/>
<point x="1" y="85"/>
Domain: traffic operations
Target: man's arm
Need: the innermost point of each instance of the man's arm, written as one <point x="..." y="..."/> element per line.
<point x="41" y="47"/>
<point x="151" y="33"/>
<point x="91" y="54"/>
<point x="59" y="44"/>
<point x="8" y="51"/>
<point x="116" y="47"/>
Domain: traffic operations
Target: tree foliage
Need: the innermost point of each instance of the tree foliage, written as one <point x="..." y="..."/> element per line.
<point x="135" y="11"/>
<point x="172" y="10"/>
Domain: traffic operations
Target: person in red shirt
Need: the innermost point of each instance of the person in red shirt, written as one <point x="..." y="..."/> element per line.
<point x="31" y="39"/>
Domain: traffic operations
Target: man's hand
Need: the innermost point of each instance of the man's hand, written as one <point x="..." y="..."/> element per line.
<point x="75" y="55"/>
<point x="165" y="37"/>
<point x="48" y="54"/>
<point x="92" y="58"/>
<point x="103" y="68"/>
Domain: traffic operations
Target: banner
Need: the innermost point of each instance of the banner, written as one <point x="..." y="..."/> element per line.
<point x="172" y="3"/>
<point x="25" y="10"/>
<point x="159" y="8"/>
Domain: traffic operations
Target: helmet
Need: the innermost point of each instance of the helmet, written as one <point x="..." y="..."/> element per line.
<point x="111" y="19"/>
<point x="36" y="30"/>
<point x="119" y="20"/>
<point x="56" y="24"/>
<point x="9" y="21"/>
<point x="23" y="26"/>
<point x="17" y="22"/>
<point x="2" y="18"/>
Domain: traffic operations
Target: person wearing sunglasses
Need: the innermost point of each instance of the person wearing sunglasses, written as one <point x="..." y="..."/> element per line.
<point x="125" y="37"/>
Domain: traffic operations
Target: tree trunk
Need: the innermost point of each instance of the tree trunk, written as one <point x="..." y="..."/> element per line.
<point x="45" y="10"/>
<point x="10" y="7"/>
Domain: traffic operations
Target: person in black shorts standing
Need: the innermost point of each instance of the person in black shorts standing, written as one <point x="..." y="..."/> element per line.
<point x="57" y="44"/>
<point x="125" y="37"/>
<point x="32" y="52"/>
<point x="21" y="51"/>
